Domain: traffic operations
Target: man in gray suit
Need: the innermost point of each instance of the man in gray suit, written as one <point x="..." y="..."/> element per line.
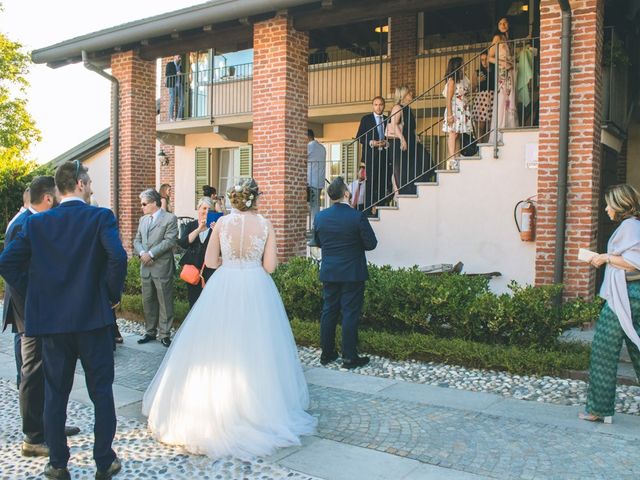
<point x="156" y="237"/>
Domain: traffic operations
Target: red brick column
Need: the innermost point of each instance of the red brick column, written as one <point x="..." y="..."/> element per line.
<point x="137" y="137"/>
<point x="280" y="108"/>
<point x="584" y="141"/>
<point x="403" y="49"/>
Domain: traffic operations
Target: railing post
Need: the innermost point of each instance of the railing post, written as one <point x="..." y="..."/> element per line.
<point x="495" y="100"/>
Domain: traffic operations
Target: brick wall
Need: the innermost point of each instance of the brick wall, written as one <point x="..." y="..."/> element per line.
<point x="584" y="141"/>
<point x="280" y="107"/>
<point x="403" y="49"/>
<point x="137" y="137"/>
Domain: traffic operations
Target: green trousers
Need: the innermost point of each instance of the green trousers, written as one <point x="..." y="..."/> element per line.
<point x="605" y="354"/>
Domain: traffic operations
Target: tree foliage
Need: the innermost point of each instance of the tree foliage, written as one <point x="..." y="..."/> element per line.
<point x="17" y="128"/>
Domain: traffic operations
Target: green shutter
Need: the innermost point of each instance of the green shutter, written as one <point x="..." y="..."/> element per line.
<point x="246" y="161"/>
<point x="203" y="166"/>
<point x="348" y="160"/>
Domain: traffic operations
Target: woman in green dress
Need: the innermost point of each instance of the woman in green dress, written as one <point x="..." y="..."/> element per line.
<point x="620" y="317"/>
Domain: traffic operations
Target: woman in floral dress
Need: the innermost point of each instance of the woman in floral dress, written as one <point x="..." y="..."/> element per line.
<point x="457" y="117"/>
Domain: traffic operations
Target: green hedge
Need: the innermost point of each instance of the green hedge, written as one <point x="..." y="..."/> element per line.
<point x="455" y="351"/>
<point x="447" y="306"/>
<point x="418" y="346"/>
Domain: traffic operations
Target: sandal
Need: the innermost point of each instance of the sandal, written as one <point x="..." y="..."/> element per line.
<point x="589" y="417"/>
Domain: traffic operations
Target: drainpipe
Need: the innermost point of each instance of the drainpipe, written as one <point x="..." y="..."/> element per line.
<point x="563" y="144"/>
<point x="115" y="129"/>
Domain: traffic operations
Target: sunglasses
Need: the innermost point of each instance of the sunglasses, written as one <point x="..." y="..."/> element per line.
<point x="144" y="204"/>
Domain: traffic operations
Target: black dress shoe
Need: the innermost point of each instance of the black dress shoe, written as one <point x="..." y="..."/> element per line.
<point x="328" y="358"/>
<point x="57" y="473"/>
<point x="113" y="469"/>
<point x="146" y="338"/>
<point x="71" y="431"/>
<point x="354" y="362"/>
<point x="166" y="341"/>
<point x="34" y="449"/>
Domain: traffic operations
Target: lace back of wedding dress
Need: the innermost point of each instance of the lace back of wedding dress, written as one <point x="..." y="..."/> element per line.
<point x="243" y="236"/>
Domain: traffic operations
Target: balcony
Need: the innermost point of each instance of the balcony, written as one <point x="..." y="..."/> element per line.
<point x="341" y="86"/>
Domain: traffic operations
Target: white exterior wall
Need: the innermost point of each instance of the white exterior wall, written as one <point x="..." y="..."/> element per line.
<point x="467" y="217"/>
<point x="99" y="165"/>
<point x="185" y="178"/>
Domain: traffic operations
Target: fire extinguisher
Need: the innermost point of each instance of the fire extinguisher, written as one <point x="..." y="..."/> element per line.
<point x="527" y="224"/>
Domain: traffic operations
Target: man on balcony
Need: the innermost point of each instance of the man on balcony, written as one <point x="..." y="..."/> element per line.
<point x="316" y="172"/>
<point x="175" y="84"/>
<point x="371" y="135"/>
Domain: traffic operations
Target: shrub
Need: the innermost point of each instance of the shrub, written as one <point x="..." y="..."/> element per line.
<point x="300" y="288"/>
<point x="456" y="351"/>
<point x="448" y="305"/>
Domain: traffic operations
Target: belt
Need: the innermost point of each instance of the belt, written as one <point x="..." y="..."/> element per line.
<point x="632" y="276"/>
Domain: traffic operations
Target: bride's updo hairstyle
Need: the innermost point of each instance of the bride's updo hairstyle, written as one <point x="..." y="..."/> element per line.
<point x="244" y="196"/>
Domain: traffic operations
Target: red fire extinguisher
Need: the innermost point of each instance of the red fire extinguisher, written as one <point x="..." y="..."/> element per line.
<point x="527" y="224"/>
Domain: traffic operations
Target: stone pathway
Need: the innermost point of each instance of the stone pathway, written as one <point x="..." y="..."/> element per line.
<point x="370" y="427"/>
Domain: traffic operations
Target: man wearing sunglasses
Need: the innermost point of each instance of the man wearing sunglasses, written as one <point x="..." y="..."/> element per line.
<point x="77" y="267"/>
<point x="155" y="240"/>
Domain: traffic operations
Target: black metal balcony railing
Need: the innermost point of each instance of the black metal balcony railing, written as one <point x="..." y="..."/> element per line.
<point x="348" y="76"/>
<point x="207" y="93"/>
<point x="336" y="77"/>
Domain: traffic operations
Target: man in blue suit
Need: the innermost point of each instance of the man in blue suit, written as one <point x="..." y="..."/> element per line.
<point x="76" y="269"/>
<point x="29" y="358"/>
<point x="343" y="234"/>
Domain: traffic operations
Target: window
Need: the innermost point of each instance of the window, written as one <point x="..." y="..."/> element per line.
<point x="203" y="171"/>
<point x="234" y="164"/>
<point x="233" y="65"/>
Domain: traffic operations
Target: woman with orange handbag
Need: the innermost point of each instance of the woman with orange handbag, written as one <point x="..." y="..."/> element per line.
<point x="195" y="240"/>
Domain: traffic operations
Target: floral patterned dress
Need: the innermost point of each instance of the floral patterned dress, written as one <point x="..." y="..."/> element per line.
<point x="460" y="104"/>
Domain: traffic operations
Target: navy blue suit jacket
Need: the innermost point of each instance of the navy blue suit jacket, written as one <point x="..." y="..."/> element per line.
<point x="76" y="268"/>
<point x="344" y="234"/>
<point x="11" y="296"/>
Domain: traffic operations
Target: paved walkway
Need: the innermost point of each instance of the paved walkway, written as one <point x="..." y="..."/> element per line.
<point x="369" y="428"/>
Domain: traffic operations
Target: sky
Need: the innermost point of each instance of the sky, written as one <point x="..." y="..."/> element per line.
<point x="70" y="104"/>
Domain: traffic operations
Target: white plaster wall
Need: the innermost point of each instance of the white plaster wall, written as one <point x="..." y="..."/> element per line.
<point x="467" y="217"/>
<point x="99" y="165"/>
<point x="185" y="178"/>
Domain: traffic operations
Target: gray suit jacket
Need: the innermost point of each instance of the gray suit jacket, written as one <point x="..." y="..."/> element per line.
<point x="159" y="239"/>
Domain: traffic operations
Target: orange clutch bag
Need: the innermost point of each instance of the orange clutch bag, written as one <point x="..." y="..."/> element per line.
<point x="192" y="275"/>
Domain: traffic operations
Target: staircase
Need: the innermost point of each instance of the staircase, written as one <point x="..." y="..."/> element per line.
<point x="467" y="213"/>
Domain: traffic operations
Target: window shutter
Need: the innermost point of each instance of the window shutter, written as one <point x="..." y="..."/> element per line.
<point x="246" y="161"/>
<point x="203" y="166"/>
<point x="348" y="160"/>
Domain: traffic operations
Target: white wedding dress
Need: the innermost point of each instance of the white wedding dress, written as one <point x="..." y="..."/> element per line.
<point x="231" y="383"/>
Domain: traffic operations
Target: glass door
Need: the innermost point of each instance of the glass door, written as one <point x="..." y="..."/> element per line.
<point x="229" y="171"/>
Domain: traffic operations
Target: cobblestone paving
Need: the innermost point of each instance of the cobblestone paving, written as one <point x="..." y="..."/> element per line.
<point x="142" y="456"/>
<point x="477" y="443"/>
<point x="489" y="445"/>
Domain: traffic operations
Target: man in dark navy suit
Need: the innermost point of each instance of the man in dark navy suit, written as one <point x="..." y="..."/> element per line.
<point x="42" y="198"/>
<point x="378" y="165"/>
<point x="76" y="269"/>
<point x="343" y="234"/>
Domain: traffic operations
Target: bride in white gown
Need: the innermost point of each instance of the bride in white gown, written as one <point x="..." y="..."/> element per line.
<point x="231" y="383"/>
